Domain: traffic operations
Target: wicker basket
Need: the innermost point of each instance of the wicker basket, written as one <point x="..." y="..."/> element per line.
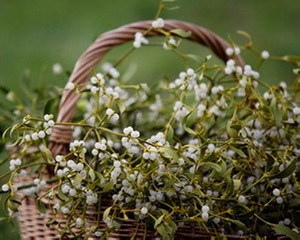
<point x="32" y="223"/>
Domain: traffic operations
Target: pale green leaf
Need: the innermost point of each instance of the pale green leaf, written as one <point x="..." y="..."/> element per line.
<point x="109" y="186"/>
<point x="239" y="152"/>
<point x="161" y="229"/>
<point x="41" y="206"/>
<point x="77" y="179"/>
<point x="158" y="221"/>
<point x="281" y="229"/>
<point x="106" y="212"/>
<point x="62" y="196"/>
<point x="181" y="33"/>
<point x="214" y="166"/>
<point x="194" y="57"/>
<point x="285" y="172"/>
<point x="121" y="107"/>
<point x="169" y="152"/>
<point x="236" y="184"/>
<point x="169" y="133"/>
<point x="277" y="114"/>
<point x="12" y="206"/>
<point x="92" y="174"/>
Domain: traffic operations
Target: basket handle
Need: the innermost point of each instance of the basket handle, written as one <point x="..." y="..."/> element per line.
<point x="62" y="135"/>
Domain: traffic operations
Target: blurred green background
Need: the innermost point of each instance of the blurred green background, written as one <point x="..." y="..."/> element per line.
<point x="35" y="34"/>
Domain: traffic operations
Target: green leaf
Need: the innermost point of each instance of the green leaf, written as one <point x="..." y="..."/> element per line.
<point x="239" y="152"/>
<point x="242" y="170"/>
<point x="208" y="57"/>
<point x="277" y="114"/>
<point x="82" y="105"/>
<point x="181" y="33"/>
<point x="295" y="202"/>
<point x="12" y="206"/>
<point x="194" y="57"/>
<point x="3" y="219"/>
<point x="281" y="229"/>
<point x="121" y="107"/>
<point x="214" y="166"/>
<point x="129" y="73"/>
<point x="236" y="126"/>
<point x="158" y="221"/>
<point x="169" y="133"/>
<point x="11" y="96"/>
<point x="285" y="172"/>
<point x="101" y="179"/>
<point x="237" y="223"/>
<point x="93" y="228"/>
<point x="291" y="59"/>
<point x="233" y="129"/>
<point x="169" y="152"/>
<point x="161" y="229"/>
<point x="223" y="166"/>
<point x="236" y="184"/>
<point x="125" y="217"/>
<point x="77" y="179"/>
<point x="210" y="158"/>
<point x="109" y="186"/>
<point x="48" y="155"/>
<point x="144" y="86"/>
<point x="171" y="226"/>
<point x="41" y="206"/>
<point x="167" y="229"/>
<point x="92" y="174"/>
<point x="229" y="186"/>
<point x="296" y="71"/>
<point x="62" y="196"/>
<point x="4" y="202"/>
<point x="270" y="161"/>
<point x="106" y="212"/>
<point x="189" y="130"/>
<point x="95" y="184"/>
<point x="192" y="118"/>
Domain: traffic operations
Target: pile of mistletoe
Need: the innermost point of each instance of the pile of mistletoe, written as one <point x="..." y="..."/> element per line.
<point x="216" y="146"/>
